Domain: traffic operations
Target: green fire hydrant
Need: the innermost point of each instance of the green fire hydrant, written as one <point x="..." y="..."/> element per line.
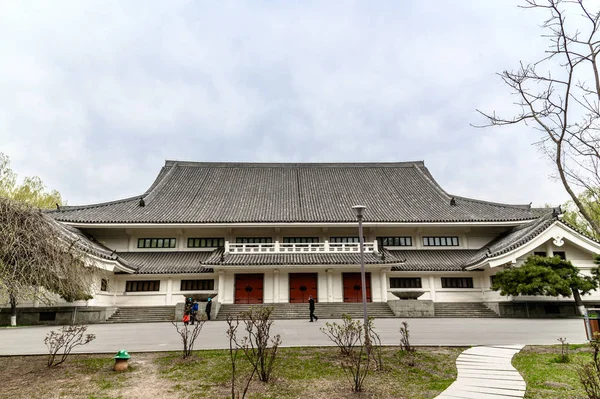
<point x="121" y="359"/>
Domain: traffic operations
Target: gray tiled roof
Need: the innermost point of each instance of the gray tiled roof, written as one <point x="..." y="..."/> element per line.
<point x="433" y="260"/>
<point x="513" y="239"/>
<point x="299" y="259"/>
<point x="167" y="262"/>
<point x="195" y="192"/>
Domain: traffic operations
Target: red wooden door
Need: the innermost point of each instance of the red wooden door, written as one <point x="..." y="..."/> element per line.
<point x="353" y="287"/>
<point x="301" y="286"/>
<point x="249" y="288"/>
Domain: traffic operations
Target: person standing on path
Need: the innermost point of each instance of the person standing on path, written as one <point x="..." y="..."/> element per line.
<point x="311" y="307"/>
<point x="208" y="307"/>
<point x="194" y="312"/>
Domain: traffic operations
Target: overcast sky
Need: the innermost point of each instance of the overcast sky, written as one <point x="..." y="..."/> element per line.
<point x="95" y="95"/>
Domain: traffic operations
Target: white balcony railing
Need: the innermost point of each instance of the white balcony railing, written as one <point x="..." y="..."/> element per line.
<point x="320" y="247"/>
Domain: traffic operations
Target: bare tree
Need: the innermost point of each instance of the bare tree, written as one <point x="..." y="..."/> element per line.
<point x="188" y="335"/>
<point x="39" y="258"/>
<point x="60" y="343"/>
<point x="559" y="95"/>
<point x="234" y="351"/>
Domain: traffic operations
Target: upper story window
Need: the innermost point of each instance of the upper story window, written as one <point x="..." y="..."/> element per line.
<point x="104" y="285"/>
<point x="394" y="241"/>
<point x="339" y="240"/>
<point x="457" y="282"/>
<point x="205" y="242"/>
<point x="156" y="242"/>
<point x="440" y="241"/>
<point x="254" y="240"/>
<point x="540" y="253"/>
<point x="148" y="285"/>
<point x="300" y="240"/>
<point x="405" y="282"/>
<point x="197" y="285"/>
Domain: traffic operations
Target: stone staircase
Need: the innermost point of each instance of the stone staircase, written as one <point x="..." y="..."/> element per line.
<point x="143" y="314"/>
<point x="284" y="311"/>
<point x="462" y="309"/>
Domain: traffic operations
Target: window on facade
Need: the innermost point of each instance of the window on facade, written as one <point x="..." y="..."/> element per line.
<point x="539" y="253"/>
<point x="137" y="286"/>
<point x="300" y="240"/>
<point x="197" y="285"/>
<point x="394" y="241"/>
<point x="560" y="254"/>
<point x="104" y="285"/>
<point x="47" y="316"/>
<point x="339" y="240"/>
<point x="156" y="243"/>
<point x="457" y="282"/>
<point x="254" y="240"/>
<point x="492" y="280"/>
<point x="205" y="242"/>
<point x="405" y="282"/>
<point x="440" y="241"/>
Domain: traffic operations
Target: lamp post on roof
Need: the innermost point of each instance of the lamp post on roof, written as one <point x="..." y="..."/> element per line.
<point x="359" y="211"/>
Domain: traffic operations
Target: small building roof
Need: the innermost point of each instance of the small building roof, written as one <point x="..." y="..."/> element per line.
<point x="451" y="260"/>
<point x="167" y="262"/>
<point x="199" y="192"/>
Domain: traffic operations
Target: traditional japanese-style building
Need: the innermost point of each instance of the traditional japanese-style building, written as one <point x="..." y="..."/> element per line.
<point x="250" y="233"/>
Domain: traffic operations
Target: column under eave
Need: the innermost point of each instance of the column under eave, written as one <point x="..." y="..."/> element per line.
<point x="221" y="287"/>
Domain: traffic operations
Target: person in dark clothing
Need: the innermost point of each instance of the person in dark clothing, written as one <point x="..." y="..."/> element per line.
<point x="311" y="307"/>
<point x="194" y="312"/>
<point x="208" y="306"/>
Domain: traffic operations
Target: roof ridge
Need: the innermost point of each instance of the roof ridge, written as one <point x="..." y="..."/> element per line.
<point x="405" y="164"/>
<point x="517" y="206"/>
<point x="157" y="186"/>
<point x="97" y="205"/>
<point x="433" y="183"/>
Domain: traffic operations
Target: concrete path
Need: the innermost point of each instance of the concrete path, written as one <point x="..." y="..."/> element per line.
<point x="150" y="337"/>
<point x="486" y="372"/>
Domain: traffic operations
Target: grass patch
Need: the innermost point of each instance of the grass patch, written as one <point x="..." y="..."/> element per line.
<point x="316" y="373"/>
<point x="301" y="373"/>
<point x="546" y="376"/>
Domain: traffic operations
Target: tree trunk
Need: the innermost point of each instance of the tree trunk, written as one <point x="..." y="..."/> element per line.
<point x="13" y="310"/>
<point x="578" y="301"/>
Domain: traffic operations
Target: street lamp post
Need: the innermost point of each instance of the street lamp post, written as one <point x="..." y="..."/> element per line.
<point x="359" y="211"/>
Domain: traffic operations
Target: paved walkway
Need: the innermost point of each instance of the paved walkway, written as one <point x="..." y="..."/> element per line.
<point x="486" y="372"/>
<point x="423" y="332"/>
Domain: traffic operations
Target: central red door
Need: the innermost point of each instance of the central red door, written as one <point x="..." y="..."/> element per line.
<point x="353" y="287"/>
<point x="249" y="288"/>
<point x="301" y="286"/>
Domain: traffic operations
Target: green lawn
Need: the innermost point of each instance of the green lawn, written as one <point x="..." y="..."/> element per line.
<point x="546" y="376"/>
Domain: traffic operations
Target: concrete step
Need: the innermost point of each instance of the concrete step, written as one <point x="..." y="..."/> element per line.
<point x="323" y="310"/>
<point x="142" y="314"/>
<point x="462" y="309"/>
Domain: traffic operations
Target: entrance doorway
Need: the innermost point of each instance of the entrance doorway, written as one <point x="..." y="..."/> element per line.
<point x="301" y="286"/>
<point x="248" y="288"/>
<point x="353" y="287"/>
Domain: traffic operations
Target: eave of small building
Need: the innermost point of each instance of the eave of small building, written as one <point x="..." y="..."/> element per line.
<point x="558" y="231"/>
<point x="510" y="223"/>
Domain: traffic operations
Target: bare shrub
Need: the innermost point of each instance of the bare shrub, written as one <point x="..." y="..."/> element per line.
<point x="405" y="338"/>
<point x="60" y="343"/>
<point x="188" y="335"/>
<point x="345" y="336"/>
<point x="355" y="347"/>
<point x="255" y="345"/>
<point x="589" y="373"/>
<point x="375" y="348"/>
<point x="564" y="351"/>
<point x="234" y="350"/>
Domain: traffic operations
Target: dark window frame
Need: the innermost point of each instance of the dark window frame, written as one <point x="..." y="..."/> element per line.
<point x="406" y="282"/>
<point x="104" y="285"/>
<point x="205" y="242"/>
<point x="300" y="240"/>
<point x="441" y="241"/>
<point x="197" y="285"/>
<point x="142" y="285"/>
<point x="395" y="241"/>
<point x="254" y="240"/>
<point x="457" y="282"/>
<point x="153" y="243"/>
<point x="345" y="240"/>
<point x="540" y="253"/>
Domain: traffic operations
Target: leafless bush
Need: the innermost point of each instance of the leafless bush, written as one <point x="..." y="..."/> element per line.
<point x="405" y="338"/>
<point x="356" y="348"/>
<point x="60" y="343"/>
<point x="589" y="373"/>
<point x="564" y="351"/>
<point x="188" y="335"/>
<point x="234" y="350"/>
<point x="375" y="348"/>
<point x="345" y="336"/>
<point x="255" y="345"/>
